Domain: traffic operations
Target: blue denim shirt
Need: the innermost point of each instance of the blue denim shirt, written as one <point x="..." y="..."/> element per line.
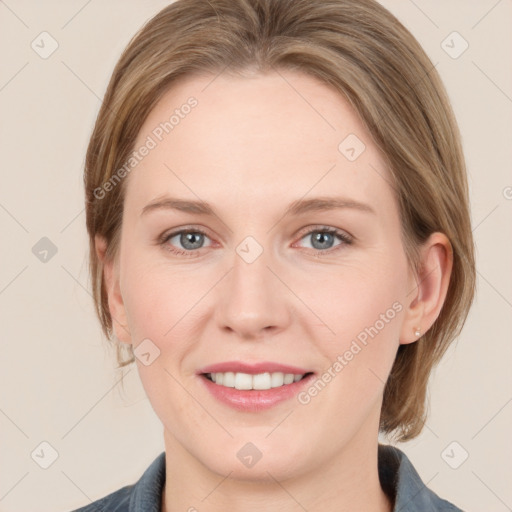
<point x="397" y="475"/>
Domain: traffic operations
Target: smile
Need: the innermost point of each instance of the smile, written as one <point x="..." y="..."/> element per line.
<point x="259" y="381"/>
<point x="254" y="386"/>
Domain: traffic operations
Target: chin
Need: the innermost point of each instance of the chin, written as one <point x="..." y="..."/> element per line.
<point x="257" y="461"/>
<point x="262" y="472"/>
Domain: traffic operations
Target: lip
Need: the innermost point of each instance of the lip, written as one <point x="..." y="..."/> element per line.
<point x="252" y="368"/>
<point x="254" y="400"/>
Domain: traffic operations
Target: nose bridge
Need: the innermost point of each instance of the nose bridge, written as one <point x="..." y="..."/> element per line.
<point x="252" y="299"/>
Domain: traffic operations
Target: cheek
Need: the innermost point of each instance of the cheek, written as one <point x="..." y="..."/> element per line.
<point x="350" y="300"/>
<point x="155" y="293"/>
<point x="154" y="303"/>
<point x="363" y="309"/>
<point x="160" y="307"/>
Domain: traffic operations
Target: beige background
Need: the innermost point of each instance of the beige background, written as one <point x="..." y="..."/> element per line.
<point x="58" y="382"/>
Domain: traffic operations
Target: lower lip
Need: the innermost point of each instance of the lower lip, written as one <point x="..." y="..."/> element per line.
<point x="254" y="400"/>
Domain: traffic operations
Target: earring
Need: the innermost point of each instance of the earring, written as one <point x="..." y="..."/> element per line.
<point x="417" y="332"/>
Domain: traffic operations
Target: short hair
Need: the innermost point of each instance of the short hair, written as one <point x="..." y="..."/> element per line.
<point x="376" y="64"/>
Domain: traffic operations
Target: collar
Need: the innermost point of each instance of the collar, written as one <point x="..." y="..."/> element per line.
<point x="401" y="481"/>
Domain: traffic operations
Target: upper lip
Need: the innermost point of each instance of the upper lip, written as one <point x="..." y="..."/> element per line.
<point x="252" y="368"/>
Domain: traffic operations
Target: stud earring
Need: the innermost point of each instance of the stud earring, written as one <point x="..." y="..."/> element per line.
<point x="417" y="332"/>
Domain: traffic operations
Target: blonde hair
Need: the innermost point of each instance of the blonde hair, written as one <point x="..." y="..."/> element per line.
<point x="355" y="46"/>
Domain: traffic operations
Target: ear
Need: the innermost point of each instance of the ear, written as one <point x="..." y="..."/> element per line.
<point x="112" y="287"/>
<point x="427" y="289"/>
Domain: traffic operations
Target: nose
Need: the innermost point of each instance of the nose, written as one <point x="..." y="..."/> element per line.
<point x="253" y="301"/>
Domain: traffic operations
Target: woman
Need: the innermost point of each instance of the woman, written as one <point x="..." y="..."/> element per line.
<point x="280" y="239"/>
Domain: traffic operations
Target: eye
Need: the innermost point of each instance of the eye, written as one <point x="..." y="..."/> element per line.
<point x="323" y="238"/>
<point x="185" y="241"/>
<point x="189" y="241"/>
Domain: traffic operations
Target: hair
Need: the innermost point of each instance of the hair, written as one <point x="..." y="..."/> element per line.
<point x="374" y="62"/>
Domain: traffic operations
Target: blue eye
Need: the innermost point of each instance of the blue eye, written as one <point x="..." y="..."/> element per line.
<point x="322" y="239"/>
<point x="192" y="240"/>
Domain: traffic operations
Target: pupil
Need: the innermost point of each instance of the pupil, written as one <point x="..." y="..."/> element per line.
<point x="193" y="239"/>
<point x="321" y="238"/>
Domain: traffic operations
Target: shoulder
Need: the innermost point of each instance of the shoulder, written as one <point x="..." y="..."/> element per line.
<point x="144" y="495"/>
<point x="399" y="479"/>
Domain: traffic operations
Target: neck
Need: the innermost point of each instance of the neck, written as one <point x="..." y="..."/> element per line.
<point x="348" y="481"/>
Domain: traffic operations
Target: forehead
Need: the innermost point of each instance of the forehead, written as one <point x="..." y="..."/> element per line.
<point x="264" y="136"/>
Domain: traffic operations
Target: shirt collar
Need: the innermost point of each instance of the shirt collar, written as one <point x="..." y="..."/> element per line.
<point x="147" y="493"/>
<point x="401" y="481"/>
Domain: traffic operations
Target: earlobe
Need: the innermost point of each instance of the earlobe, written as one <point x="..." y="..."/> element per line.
<point x="100" y="245"/>
<point x="113" y="290"/>
<point x="428" y="288"/>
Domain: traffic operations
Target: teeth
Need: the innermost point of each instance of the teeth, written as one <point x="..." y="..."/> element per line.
<point x="288" y="378"/>
<point x="261" y="381"/>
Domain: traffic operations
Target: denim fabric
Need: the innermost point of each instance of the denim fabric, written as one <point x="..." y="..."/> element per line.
<point x="399" y="478"/>
<point x="396" y="473"/>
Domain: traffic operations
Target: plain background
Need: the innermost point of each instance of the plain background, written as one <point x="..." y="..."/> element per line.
<point x="58" y="382"/>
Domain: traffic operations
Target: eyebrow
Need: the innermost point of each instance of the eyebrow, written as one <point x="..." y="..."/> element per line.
<point x="298" y="207"/>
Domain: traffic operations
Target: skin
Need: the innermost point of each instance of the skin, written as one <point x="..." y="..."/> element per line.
<point x="250" y="148"/>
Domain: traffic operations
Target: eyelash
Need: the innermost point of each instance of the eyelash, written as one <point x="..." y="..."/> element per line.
<point x="164" y="239"/>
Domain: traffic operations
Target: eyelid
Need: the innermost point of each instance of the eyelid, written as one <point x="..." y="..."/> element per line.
<point x="322" y="227"/>
<point x="183" y="229"/>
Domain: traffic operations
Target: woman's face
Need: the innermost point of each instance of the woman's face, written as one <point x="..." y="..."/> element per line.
<point x="296" y="266"/>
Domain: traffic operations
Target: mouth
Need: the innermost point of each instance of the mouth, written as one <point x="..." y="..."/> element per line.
<point x="260" y="381"/>
<point x="254" y="387"/>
